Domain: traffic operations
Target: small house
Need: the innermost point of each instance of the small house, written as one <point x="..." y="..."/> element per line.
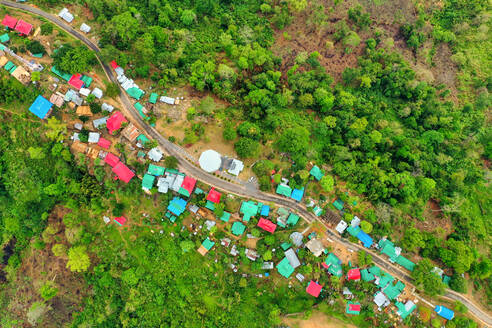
<point x="248" y="209"/>
<point x="284" y="190"/>
<point x="130" y="132"/>
<point x="120" y="220"/>
<point x="238" y="228"/>
<point x="316" y="173"/>
<point x="341" y="226"/>
<point x="292" y="257"/>
<point x="94" y="137"/>
<point x="284" y="268"/>
<point x="251" y="254"/>
<point x="267" y="266"/>
<point x="156" y="170"/>
<point x="315" y="246"/>
<point x="123" y="172"/>
<point x="404" y="310"/>
<point x="104" y="143"/>
<point x="97" y="93"/>
<point x="153" y="98"/>
<point x="66" y="15"/>
<point x="41" y="107"/>
<point x="177" y="206"/>
<point x="107" y="107"/>
<point x="100" y="122"/>
<point x="206" y="246"/>
<point x="314" y="289"/>
<point x="187" y="186"/>
<point x="167" y="100"/>
<point x="111" y="159"/>
<point x="296" y="238"/>
<point x="297" y="194"/>
<point x="236" y="167"/>
<point x="265" y="210"/>
<point x="85" y="91"/>
<point x="267" y="225"/>
<point x="214" y="196"/>
<point x="225" y="216"/>
<point x="292" y="219"/>
<point x="23" y="27"/>
<point x="155" y="154"/>
<point x="57" y="100"/>
<point x="148" y="182"/>
<point x="353" y="308"/>
<point x="354" y="274"/>
<point x="444" y="312"/>
<point x="85" y="28"/>
<point x="83" y="111"/>
<point x="9" y="22"/>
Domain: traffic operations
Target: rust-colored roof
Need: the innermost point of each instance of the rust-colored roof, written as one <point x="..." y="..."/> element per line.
<point x="84" y="111"/>
<point x="130" y="132"/>
<point x="79" y="147"/>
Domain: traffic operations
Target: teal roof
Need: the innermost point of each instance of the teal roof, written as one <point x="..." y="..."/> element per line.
<point x="403" y="310"/>
<point x="87" y="80"/>
<point x="225" y="216"/>
<point x="140" y="154"/>
<point x="353" y="231"/>
<point x="2" y="47"/>
<point x="338" y="204"/>
<point x="392" y="291"/>
<point x="38" y="55"/>
<point x="210" y="205"/>
<point x="138" y="106"/>
<point x="135" y="93"/>
<point x="198" y="191"/>
<point x="284" y="190"/>
<point x="318" y="211"/>
<point x="349" y="311"/>
<point x="9" y="66"/>
<point x="61" y="74"/>
<point x="148" y="181"/>
<point x="143" y="139"/>
<point x="366" y="275"/>
<point x="284" y="268"/>
<point x="12" y="69"/>
<point x="156" y="170"/>
<point x="334" y="265"/>
<point x="4" y="38"/>
<point x="375" y="271"/>
<point x="406" y="263"/>
<point x="385" y="279"/>
<point x="153" y="98"/>
<point x="238" y="228"/>
<point x="208" y="244"/>
<point x="248" y="209"/>
<point x="316" y="173"/>
<point x="285" y="245"/>
<point x="292" y="219"/>
<point x="389" y="250"/>
<point x="446" y="280"/>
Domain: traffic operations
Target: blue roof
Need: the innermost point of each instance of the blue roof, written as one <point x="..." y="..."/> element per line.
<point x="40" y="107"/>
<point x="265" y="210"/>
<point x="444" y="312"/>
<point x="297" y="194"/>
<point x="177" y="206"/>
<point x="365" y="239"/>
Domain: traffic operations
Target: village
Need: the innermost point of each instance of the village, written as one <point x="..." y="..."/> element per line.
<point x="303" y="253"/>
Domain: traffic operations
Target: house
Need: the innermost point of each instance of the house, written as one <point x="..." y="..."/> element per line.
<point x="353" y="308"/>
<point x="236" y="167"/>
<point x="406" y="263"/>
<point x="283" y="189"/>
<point x="111" y="159"/>
<point x="123" y="172"/>
<point x="355" y="221"/>
<point x="333" y="264"/>
<point x="315" y="246"/>
<point x="155" y="154"/>
<point x="214" y="196"/>
<point x="267" y="225"/>
<point x="300" y="277"/>
<point x="316" y="172"/>
<point x="193" y="208"/>
<point x="163" y="184"/>
<point x="94" y="137"/>
<point x="120" y="220"/>
<point x="338" y="204"/>
<point x="177" y="206"/>
<point x="115" y="121"/>
<point x="234" y="251"/>
<point x="293" y="259"/>
<point x="78" y="126"/>
<point x="100" y="122"/>
<point x="85" y="28"/>
<point x="153" y="98"/>
<point x="85" y="91"/>
<point x="187" y="186"/>
<point x="365" y="239"/>
<point x="65" y="76"/>
<point x="296" y="238"/>
<point x="92" y="153"/>
<point x="347" y="293"/>
<point x="314" y="289"/>
<point x="167" y="100"/>
<point x="444" y="312"/>
<point x="404" y="310"/>
<point x="76" y="82"/>
<point x="393" y="291"/>
<point x="284" y="268"/>
<point x="148" y="182"/>
<point x="381" y="300"/>
<point x="292" y="219"/>
<point x="23" y="76"/>
<point x="297" y="194"/>
<point x="106" y="107"/>
<point x="113" y="64"/>
<point x="142" y="140"/>
<point x="248" y="209"/>
<point x="104" y="143"/>
<point x="251" y="254"/>
<point x="178" y="181"/>
<point x="225" y="216"/>
<point x="132" y="90"/>
<point x="83" y="111"/>
<point x="341" y="226"/>
<point x="130" y="132"/>
<point x="41" y="107"/>
<point x="23" y="27"/>
<point x="366" y="275"/>
<point x="265" y="210"/>
<point x="354" y="274"/>
<point x="66" y="15"/>
<point x="97" y="93"/>
<point x="4" y="38"/>
<point x="238" y="228"/>
<point x="57" y="100"/>
<point x="317" y="211"/>
<point x="156" y="170"/>
<point x="267" y="266"/>
<point x="9" y="21"/>
<point x="206" y="246"/>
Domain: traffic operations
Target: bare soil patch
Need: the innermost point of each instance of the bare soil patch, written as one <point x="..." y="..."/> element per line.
<point x="317" y="320"/>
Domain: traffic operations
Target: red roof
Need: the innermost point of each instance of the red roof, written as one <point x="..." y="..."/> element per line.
<point x="105" y="143"/>
<point x="326" y="266"/>
<point x="23" y="27"/>
<point x="113" y="64"/>
<point x="114" y="122"/>
<point x="354" y="307"/>
<point x="214" y="196"/>
<point x="314" y="288"/>
<point x="111" y="159"/>
<point x="9" y="21"/>
<point x="353" y="274"/>
<point x="188" y="184"/>
<point x="76" y="82"/>
<point x="267" y="225"/>
<point x="123" y="172"/>
<point x="121" y="220"/>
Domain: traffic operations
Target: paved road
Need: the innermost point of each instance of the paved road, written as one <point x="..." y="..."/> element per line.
<point x="241" y="190"/>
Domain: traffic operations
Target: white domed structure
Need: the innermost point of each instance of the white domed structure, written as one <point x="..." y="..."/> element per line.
<point x="210" y="160"/>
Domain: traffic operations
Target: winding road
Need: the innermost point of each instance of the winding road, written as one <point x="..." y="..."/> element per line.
<point x="187" y="165"/>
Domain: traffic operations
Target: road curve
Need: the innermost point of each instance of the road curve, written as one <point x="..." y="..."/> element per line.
<point x="233" y="188"/>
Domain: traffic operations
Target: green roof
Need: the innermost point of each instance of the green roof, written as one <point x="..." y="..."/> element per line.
<point x="316" y="173"/>
<point x="353" y="231"/>
<point x="208" y="244"/>
<point x="285" y="245"/>
<point x="366" y="275"/>
<point x="156" y="170"/>
<point x="284" y="268"/>
<point x="392" y="291"/>
<point x="403" y="311"/>
<point x="248" y="209"/>
<point x="138" y="106"/>
<point x="143" y="139"/>
<point x="9" y="66"/>
<point x="293" y="219"/>
<point x="210" y="205"/>
<point x="389" y="250"/>
<point x="385" y="279"/>
<point x="446" y="280"/>
<point x="238" y="228"/>
<point x="198" y="191"/>
<point x="282" y="212"/>
<point x="135" y="93"/>
<point x="284" y="190"/>
<point x="140" y="154"/>
<point x="148" y="181"/>
<point x="338" y="204"/>
<point x="4" y="37"/>
<point x="406" y="263"/>
<point x="335" y="268"/>
<point x="317" y="211"/>
<point x="87" y="80"/>
<point x="63" y="75"/>
<point x="348" y="311"/>
<point x="186" y="193"/>
<point x="375" y="271"/>
<point x="153" y="98"/>
<point x="40" y="55"/>
<point x="225" y="216"/>
<point x="13" y="69"/>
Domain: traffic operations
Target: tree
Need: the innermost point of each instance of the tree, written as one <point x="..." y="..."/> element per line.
<point x="129" y="277"/>
<point x="188" y="17"/>
<point x="144" y="48"/>
<point x="294" y="141"/>
<point x="78" y="259"/>
<point x="219" y="210"/>
<point x="457" y="255"/>
<point x="122" y="29"/>
<point x="426" y="280"/>
<point x="73" y="59"/>
<point x="202" y="75"/>
<point x="298" y="5"/>
<point x="35" y="47"/>
<point x="324" y="99"/>
<point x="327" y="183"/>
<point x="95" y="108"/>
<point x="186" y="245"/>
<point x="413" y="239"/>
<point x="56" y="129"/>
<point x="229" y="132"/>
<point x="364" y="258"/>
<point x="366" y="226"/>
<point x="207" y="105"/>
<point x="59" y="250"/>
<point x="458" y="283"/>
<point x="48" y="290"/>
<point x="112" y="90"/>
<point x="36" y="76"/>
<point x="36" y="152"/>
<point x="46" y="29"/>
<point x="247" y="148"/>
<point x="171" y="162"/>
<point x="267" y="256"/>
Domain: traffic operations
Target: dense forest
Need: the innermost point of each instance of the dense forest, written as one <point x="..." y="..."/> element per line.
<point x="390" y="135"/>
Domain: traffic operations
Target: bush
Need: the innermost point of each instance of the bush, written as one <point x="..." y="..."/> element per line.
<point x="46" y="29"/>
<point x="247" y="148"/>
<point x="95" y="108"/>
<point x="35" y="47"/>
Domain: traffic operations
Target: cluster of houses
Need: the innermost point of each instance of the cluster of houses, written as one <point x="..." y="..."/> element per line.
<point x="68" y="17"/>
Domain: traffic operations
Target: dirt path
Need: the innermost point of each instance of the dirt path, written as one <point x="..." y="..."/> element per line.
<point x="317" y="320"/>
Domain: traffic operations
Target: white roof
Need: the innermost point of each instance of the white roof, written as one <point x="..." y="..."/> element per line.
<point x="163" y="185"/>
<point x="93" y="137"/>
<point x="84" y="92"/>
<point x="300" y="277"/>
<point x="100" y="121"/>
<point x="155" y="154"/>
<point x="119" y="71"/>
<point x="193" y="208"/>
<point x="97" y="92"/>
<point x="292" y="257"/>
<point x="236" y="167"/>
<point x="209" y="224"/>
<point x="66" y="15"/>
<point x="381" y="300"/>
<point x="210" y="160"/>
<point x="75" y="136"/>
<point x="315" y="246"/>
<point x="106" y="219"/>
<point x="78" y="126"/>
<point x="355" y="221"/>
<point x="107" y="107"/>
<point x="85" y="28"/>
<point x="341" y="226"/>
<point x="267" y="266"/>
<point x="127" y="84"/>
<point x="122" y="78"/>
<point x="167" y="100"/>
<point x="296" y="238"/>
<point x="177" y="183"/>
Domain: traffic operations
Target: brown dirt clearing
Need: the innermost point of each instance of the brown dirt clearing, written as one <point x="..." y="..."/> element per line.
<point x="317" y="320"/>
